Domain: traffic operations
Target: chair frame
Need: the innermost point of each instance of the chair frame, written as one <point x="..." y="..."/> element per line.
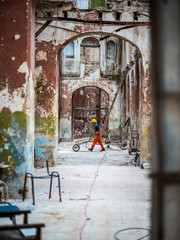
<point x="24" y="226"/>
<point x="12" y="213"/>
<point x="50" y="175"/>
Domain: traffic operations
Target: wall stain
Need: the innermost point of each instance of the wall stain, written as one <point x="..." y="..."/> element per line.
<point x="13" y="132"/>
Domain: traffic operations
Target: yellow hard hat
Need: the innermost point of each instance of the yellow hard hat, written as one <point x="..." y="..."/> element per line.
<point x="93" y="120"/>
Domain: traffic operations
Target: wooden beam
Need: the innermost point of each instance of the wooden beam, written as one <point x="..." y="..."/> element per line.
<point x="115" y="96"/>
<point x="43" y="27"/>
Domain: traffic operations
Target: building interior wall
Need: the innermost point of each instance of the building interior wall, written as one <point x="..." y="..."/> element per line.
<point x="96" y="63"/>
<point x="18" y="104"/>
<point x="42" y="104"/>
<point x="17" y="91"/>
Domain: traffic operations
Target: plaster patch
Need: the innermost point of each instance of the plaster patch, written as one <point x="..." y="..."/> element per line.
<point x="24" y="69"/>
<point x="65" y="128"/>
<point x="16" y="37"/>
<point x="12" y="101"/>
<point x="64" y="96"/>
<point x="41" y="56"/>
<point x="13" y="58"/>
<point x="38" y="71"/>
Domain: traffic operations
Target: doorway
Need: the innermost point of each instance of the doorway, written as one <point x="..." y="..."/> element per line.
<point x="88" y="103"/>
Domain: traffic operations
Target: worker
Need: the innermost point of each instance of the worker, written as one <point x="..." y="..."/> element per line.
<point x="97" y="136"/>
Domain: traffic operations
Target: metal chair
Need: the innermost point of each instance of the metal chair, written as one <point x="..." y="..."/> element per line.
<point x="51" y="175"/>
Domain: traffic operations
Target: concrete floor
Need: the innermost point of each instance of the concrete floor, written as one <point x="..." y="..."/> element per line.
<point x="102" y="193"/>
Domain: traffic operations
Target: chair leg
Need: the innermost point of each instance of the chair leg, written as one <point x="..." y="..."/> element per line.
<point x="13" y="219"/>
<point x="59" y="186"/>
<point x="55" y="174"/>
<point x="32" y="181"/>
<point x="24" y="193"/>
<point x="50" y="186"/>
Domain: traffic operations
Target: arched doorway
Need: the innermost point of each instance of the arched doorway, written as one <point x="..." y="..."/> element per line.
<point x="87" y="103"/>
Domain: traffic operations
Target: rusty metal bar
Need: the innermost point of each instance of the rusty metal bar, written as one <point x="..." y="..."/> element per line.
<point x="117" y="30"/>
<point x="38" y="7"/>
<point x="66" y="29"/>
<point x="93" y="21"/>
<point x="43" y="27"/>
<point x="118" y="89"/>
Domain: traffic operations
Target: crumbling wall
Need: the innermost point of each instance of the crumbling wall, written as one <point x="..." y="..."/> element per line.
<point x="17" y="91"/>
<point x="90" y="74"/>
<point x="67" y="89"/>
<point x="146" y="115"/>
<point x="46" y="107"/>
<point x="58" y="34"/>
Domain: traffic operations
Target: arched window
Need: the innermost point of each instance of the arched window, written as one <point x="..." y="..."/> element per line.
<point x="90" y="49"/>
<point x="90" y="42"/>
<point x="69" y="50"/>
<point x="110" y="50"/>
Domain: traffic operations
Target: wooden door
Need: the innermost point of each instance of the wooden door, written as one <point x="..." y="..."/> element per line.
<point x="88" y="103"/>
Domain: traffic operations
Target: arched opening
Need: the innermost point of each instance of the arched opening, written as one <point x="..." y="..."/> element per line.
<point x="88" y="103"/>
<point x="90" y="72"/>
<point x="166" y="98"/>
<point x="90" y="56"/>
<point x="111" y="51"/>
<point x="110" y="57"/>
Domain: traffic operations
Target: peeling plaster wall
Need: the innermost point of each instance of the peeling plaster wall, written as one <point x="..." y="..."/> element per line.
<point x="46" y="104"/>
<point x="16" y="91"/>
<point x="71" y="65"/>
<point x="58" y="38"/>
<point x="70" y="86"/>
<point x="146" y="115"/>
<point x="72" y="81"/>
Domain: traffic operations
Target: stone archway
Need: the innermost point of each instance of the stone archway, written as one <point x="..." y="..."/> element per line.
<point x="87" y="103"/>
<point x="145" y="124"/>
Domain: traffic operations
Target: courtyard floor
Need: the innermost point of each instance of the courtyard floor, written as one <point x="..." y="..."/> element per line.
<point x="102" y="193"/>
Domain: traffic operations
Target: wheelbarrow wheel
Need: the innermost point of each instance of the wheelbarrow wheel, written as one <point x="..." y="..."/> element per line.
<point x="76" y="147"/>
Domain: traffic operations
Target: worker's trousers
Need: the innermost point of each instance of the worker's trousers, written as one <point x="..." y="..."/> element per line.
<point x="97" y="139"/>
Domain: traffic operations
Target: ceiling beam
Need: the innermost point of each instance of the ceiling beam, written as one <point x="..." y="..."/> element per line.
<point x="42" y="28"/>
<point x="93" y="21"/>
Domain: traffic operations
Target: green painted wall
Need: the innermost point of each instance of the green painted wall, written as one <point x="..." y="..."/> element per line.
<point x="97" y="3"/>
<point x="45" y="126"/>
<point x="13" y="139"/>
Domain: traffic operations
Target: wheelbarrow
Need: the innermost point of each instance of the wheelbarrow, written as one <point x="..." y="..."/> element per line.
<point x="81" y="141"/>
